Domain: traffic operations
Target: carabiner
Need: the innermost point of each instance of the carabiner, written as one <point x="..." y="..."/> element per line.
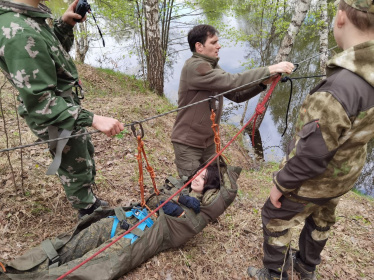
<point x="134" y="129"/>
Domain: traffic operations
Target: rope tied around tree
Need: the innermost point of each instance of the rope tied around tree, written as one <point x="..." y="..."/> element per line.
<point x="260" y="108"/>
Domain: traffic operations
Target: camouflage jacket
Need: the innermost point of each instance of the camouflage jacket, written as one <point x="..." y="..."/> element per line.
<point x="33" y="56"/>
<point x="336" y="121"/>
<point x="201" y="78"/>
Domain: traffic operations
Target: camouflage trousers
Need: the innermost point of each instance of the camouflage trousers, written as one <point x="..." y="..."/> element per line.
<point x="77" y="170"/>
<point x="277" y="223"/>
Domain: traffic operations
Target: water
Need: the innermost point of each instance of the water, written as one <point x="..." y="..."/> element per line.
<point x="116" y="56"/>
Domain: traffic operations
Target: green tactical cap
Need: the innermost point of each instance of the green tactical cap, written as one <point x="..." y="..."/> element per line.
<point x="366" y="6"/>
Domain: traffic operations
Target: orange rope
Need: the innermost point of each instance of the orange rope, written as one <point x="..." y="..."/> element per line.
<point x="141" y="177"/>
<point x="217" y="139"/>
<point x="215" y="127"/>
<point x="140" y="165"/>
<point x="3" y="267"/>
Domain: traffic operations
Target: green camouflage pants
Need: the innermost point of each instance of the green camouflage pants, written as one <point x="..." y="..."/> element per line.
<point x="277" y="235"/>
<point x="77" y="170"/>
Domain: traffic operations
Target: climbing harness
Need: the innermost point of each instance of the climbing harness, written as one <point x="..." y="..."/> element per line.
<point x="140" y="214"/>
<point x="140" y="165"/>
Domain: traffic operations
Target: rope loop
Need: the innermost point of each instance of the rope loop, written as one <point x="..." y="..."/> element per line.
<point x="150" y="170"/>
<point x="215" y="127"/>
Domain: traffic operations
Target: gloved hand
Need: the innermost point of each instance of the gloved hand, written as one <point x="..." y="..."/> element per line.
<point x="172" y="209"/>
<point x="190" y="202"/>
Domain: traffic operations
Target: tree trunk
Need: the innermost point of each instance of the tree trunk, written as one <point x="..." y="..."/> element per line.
<point x="324" y="36"/>
<point x="154" y="54"/>
<point x="297" y="19"/>
<point x="81" y="42"/>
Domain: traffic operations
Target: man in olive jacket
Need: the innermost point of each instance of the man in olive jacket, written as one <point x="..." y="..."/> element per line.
<point x="202" y="77"/>
<point x="34" y="57"/>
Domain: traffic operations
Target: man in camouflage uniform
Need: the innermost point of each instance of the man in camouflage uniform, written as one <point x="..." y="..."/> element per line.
<point x="34" y="57"/>
<point x="325" y="158"/>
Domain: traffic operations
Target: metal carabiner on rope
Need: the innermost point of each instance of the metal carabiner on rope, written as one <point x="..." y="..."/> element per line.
<point x="134" y="129"/>
<point x="296" y="67"/>
<point x="210" y="102"/>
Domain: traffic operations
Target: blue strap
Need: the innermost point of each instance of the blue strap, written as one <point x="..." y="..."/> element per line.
<point x="114" y="227"/>
<point x="140" y="215"/>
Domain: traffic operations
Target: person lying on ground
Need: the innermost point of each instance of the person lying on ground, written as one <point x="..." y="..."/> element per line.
<point x="155" y="234"/>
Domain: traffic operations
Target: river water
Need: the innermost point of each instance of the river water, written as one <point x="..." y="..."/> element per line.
<point x="119" y="55"/>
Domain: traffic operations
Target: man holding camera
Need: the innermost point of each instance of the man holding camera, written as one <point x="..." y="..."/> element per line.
<point x="34" y="57"/>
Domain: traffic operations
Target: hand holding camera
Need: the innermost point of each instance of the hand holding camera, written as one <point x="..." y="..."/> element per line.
<point x="82" y="8"/>
<point x="70" y="16"/>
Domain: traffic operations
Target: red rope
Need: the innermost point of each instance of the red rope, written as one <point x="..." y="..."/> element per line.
<point x="260" y="109"/>
<point x="176" y="193"/>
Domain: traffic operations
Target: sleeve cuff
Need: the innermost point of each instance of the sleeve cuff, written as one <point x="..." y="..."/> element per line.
<point x="279" y="186"/>
<point x="63" y="26"/>
<point x="85" y="118"/>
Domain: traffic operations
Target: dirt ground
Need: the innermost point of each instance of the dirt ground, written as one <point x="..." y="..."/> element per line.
<point x="36" y="208"/>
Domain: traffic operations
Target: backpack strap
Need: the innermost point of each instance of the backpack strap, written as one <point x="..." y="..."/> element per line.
<point x="51" y="252"/>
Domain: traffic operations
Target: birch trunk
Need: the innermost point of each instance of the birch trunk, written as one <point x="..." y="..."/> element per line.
<point x="323" y="33"/>
<point x="154" y="54"/>
<point x="286" y="46"/>
<point x="81" y="42"/>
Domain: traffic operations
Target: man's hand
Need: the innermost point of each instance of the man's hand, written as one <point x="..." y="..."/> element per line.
<point x="275" y="195"/>
<point x="70" y="15"/>
<point x="282" y="67"/>
<point x="107" y="125"/>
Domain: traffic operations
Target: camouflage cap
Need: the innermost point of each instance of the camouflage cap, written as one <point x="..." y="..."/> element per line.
<point x="366" y="6"/>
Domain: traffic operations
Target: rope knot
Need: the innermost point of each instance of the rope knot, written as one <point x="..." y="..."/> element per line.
<point x="260" y="109"/>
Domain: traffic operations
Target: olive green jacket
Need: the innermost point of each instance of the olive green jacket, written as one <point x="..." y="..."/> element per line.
<point x="201" y="78"/>
<point x="336" y="121"/>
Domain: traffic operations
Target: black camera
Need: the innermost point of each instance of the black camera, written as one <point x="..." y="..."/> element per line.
<point x="82" y="8"/>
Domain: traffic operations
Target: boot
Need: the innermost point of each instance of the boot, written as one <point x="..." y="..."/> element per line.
<point x="98" y="203"/>
<point x="301" y="269"/>
<point x="265" y="274"/>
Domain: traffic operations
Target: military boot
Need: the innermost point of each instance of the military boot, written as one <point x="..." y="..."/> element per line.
<point x="97" y="204"/>
<point x="301" y="270"/>
<point x="265" y="274"/>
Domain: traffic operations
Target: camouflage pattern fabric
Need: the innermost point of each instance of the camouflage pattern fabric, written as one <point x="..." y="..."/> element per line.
<point x="34" y="57"/>
<point x="336" y="121"/>
<point x="362" y="5"/>
<point x="277" y="235"/>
